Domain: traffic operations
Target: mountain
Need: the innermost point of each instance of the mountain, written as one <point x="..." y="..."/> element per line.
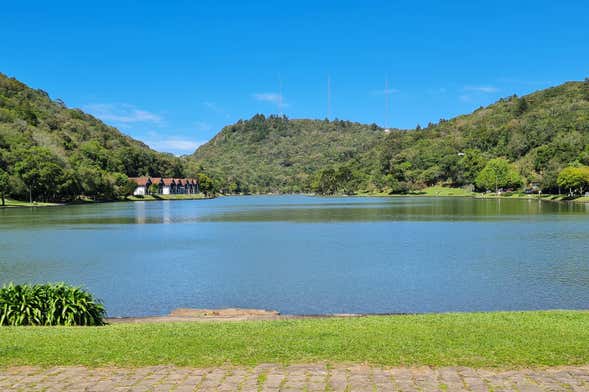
<point x="277" y="154"/>
<point x="51" y="152"/>
<point x="539" y="134"/>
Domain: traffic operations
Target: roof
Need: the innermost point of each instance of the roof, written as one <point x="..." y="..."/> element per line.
<point x="140" y="181"/>
<point x="144" y="181"/>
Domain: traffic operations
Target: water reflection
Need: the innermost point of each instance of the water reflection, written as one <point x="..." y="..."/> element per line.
<point x="308" y="255"/>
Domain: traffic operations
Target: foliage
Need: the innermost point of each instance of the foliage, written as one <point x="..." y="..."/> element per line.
<point x="205" y="184"/>
<point x="3" y="186"/>
<point x="53" y="153"/>
<point x="540" y="134"/>
<point x="504" y="339"/>
<point x="277" y="154"/>
<point x="498" y="173"/>
<point x="48" y="304"/>
<point x="575" y="179"/>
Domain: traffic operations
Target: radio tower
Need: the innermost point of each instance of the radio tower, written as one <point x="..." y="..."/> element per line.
<point x="280" y="95"/>
<point x="386" y="103"/>
<point x="328" y="97"/>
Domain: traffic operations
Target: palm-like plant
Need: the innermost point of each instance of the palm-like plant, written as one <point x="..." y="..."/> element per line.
<point x="49" y="304"/>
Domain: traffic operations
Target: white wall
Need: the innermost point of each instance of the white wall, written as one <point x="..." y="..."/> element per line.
<point x="139" y="191"/>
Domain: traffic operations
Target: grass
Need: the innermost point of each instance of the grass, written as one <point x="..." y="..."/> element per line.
<point x="503" y="339"/>
<point x="18" y="203"/>
<point x="445" y="191"/>
<point x="429" y="191"/>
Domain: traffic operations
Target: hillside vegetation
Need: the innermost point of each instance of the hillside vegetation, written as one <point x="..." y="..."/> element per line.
<point x="276" y="154"/>
<point x="529" y="140"/>
<point x="49" y="152"/>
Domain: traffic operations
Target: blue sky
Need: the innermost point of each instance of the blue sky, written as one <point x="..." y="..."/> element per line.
<point x="174" y="73"/>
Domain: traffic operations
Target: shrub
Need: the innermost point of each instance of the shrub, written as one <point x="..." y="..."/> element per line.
<point x="49" y="304"/>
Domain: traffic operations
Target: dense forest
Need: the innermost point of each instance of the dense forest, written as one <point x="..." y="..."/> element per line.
<point x="275" y="154"/>
<point x="49" y="152"/>
<point x="516" y="143"/>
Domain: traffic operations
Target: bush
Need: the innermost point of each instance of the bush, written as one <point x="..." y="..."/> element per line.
<point x="49" y="304"/>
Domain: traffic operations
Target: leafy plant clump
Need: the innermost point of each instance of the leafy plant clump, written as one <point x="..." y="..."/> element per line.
<point x="49" y="304"/>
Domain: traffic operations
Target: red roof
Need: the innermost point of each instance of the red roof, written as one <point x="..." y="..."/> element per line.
<point x="140" y="181"/>
<point x="143" y="181"/>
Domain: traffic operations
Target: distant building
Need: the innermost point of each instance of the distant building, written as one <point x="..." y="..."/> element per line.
<point x="165" y="186"/>
<point x="143" y="184"/>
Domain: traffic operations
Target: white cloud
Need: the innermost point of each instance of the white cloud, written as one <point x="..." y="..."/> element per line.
<point x="482" y="89"/>
<point x="175" y="145"/>
<point x="122" y="113"/>
<point x="268" y="97"/>
<point x="465" y="98"/>
<point x="386" y="91"/>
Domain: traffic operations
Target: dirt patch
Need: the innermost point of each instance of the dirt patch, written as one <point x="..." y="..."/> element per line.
<point x="229" y="314"/>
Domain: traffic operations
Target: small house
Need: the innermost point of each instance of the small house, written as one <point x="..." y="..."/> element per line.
<point x="143" y="184"/>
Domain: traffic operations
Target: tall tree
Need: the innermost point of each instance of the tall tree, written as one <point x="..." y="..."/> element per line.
<point x="40" y="171"/>
<point x="3" y="185"/>
<point x="498" y="173"/>
<point x="575" y="179"/>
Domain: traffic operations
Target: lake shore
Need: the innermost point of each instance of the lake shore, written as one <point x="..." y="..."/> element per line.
<point x="427" y="192"/>
<point x="10" y="203"/>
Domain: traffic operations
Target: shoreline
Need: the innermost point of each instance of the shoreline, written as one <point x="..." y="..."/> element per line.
<point x="130" y="199"/>
<point x="546" y="198"/>
<point x="242" y="314"/>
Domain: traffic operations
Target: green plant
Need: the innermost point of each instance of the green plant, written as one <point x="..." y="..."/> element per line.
<point x="49" y="304"/>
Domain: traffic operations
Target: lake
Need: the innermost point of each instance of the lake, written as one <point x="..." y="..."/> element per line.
<point x="307" y="255"/>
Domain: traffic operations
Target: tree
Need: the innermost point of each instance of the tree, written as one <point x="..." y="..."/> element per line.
<point x="123" y="187"/>
<point x="326" y="182"/>
<point x="3" y="186"/>
<point x="154" y="188"/>
<point x="471" y="164"/>
<point x="40" y="171"/>
<point x="575" y="179"/>
<point x="522" y="106"/>
<point x="205" y="184"/>
<point x="498" y="173"/>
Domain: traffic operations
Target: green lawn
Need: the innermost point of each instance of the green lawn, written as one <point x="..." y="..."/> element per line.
<point x="18" y="203"/>
<point x="504" y="339"/>
<point x="429" y="191"/>
<point x="445" y="191"/>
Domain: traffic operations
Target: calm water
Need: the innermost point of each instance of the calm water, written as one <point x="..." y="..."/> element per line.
<point x="299" y="254"/>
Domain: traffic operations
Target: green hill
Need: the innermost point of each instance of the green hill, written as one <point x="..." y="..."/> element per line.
<point x="58" y="153"/>
<point x="539" y="134"/>
<point x="276" y="154"/>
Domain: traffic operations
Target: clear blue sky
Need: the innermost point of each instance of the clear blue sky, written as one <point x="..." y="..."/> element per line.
<point x="174" y="73"/>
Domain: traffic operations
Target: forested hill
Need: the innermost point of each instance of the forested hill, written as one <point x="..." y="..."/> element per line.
<point x="59" y="153"/>
<point x="276" y="154"/>
<point x="538" y="135"/>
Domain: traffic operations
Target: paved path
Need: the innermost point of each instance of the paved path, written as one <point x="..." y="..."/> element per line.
<point x="316" y="377"/>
